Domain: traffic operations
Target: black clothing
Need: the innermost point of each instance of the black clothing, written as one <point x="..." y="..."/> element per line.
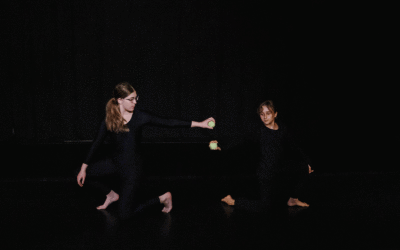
<point x="125" y="160"/>
<point x="277" y="169"/>
<point x="126" y="150"/>
<point x="277" y="148"/>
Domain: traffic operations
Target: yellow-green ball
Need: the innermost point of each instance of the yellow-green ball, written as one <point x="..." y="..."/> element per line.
<point x="213" y="146"/>
<point x="211" y="124"/>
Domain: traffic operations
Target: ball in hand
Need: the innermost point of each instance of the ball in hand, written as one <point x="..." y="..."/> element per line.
<point x="211" y="124"/>
<point x="213" y="146"/>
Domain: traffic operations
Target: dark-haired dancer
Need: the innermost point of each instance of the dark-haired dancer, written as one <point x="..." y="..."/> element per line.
<point x="123" y="124"/>
<point x="275" y="172"/>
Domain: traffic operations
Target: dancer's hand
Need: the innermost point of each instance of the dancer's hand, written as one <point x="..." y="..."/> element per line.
<point x="82" y="175"/>
<point x="310" y="170"/>
<point x="218" y="148"/>
<point x="203" y="124"/>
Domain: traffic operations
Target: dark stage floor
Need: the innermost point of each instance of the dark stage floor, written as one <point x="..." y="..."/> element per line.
<point x="348" y="211"/>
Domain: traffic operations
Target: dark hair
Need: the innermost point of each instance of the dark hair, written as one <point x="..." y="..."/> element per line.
<point x="267" y="103"/>
<point x="114" y="119"/>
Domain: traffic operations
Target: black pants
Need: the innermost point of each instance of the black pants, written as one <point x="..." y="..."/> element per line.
<point x="130" y="179"/>
<point x="268" y="188"/>
<point x="275" y="190"/>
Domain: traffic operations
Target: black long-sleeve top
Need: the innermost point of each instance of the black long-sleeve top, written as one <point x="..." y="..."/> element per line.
<point x="126" y="145"/>
<point x="274" y="150"/>
<point x="277" y="149"/>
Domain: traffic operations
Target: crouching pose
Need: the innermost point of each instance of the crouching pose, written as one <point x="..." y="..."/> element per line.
<point x="278" y="175"/>
<point x="123" y="125"/>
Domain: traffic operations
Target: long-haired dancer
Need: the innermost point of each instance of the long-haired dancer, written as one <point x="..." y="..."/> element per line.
<point x="275" y="172"/>
<point x="123" y="125"/>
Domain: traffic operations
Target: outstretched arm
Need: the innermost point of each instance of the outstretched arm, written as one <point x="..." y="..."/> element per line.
<point x="203" y="124"/>
<point x="165" y="122"/>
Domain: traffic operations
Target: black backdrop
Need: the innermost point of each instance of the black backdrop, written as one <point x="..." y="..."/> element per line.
<point x="187" y="59"/>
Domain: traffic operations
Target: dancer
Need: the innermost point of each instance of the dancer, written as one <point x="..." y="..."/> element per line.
<point x="123" y="124"/>
<point x="275" y="172"/>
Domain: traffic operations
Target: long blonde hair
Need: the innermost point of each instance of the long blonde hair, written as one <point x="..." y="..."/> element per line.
<point x="114" y="119"/>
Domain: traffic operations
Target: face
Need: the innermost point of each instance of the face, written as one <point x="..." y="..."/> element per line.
<point x="267" y="116"/>
<point x="128" y="103"/>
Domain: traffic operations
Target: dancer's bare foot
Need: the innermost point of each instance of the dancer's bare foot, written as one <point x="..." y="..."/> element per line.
<point x="228" y="200"/>
<point x="110" y="198"/>
<point x="166" y="199"/>
<point x="295" y="202"/>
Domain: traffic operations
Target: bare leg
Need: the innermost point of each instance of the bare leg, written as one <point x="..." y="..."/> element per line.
<point x="228" y="200"/>
<point x="295" y="202"/>
<point x="110" y="198"/>
<point x="166" y="199"/>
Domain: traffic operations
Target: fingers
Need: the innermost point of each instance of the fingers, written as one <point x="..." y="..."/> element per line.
<point x="77" y="180"/>
<point x="214" y="141"/>
<point x="81" y="180"/>
<point x="209" y="120"/>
